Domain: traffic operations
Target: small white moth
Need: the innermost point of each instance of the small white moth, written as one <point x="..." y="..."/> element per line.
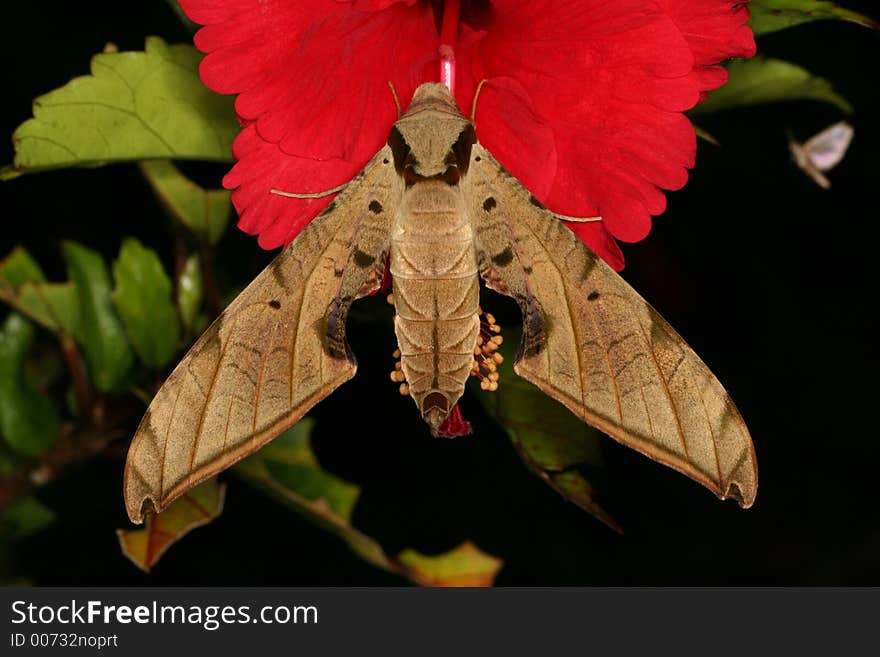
<point x="822" y="152"/>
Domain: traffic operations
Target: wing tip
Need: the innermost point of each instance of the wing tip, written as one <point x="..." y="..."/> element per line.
<point x="743" y="494"/>
<point x="139" y="508"/>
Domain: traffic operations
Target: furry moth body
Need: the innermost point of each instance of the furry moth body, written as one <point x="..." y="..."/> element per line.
<point x="443" y="212"/>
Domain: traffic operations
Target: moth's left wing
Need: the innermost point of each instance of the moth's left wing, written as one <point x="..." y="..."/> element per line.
<point x="277" y="350"/>
<point x="591" y="342"/>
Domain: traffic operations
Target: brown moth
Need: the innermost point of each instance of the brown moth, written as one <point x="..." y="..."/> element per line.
<point x="436" y="205"/>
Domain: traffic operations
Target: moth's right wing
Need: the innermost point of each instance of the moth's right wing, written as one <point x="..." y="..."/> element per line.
<point x="591" y="342"/>
<point x="277" y="350"/>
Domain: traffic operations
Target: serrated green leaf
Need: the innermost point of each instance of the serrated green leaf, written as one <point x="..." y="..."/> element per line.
<point x="143" y="299"/>
<point x="24" y="517"/>
<point x="465" y="565"/>
<point x="205" y="212"/>
<point x="106" y="347"/>
<point x="190" y="292"/>
<point x="28" y="421"/>
<point x="764" y="80"/>
<point x="133" y="106"/>
<point x="197" y="507"/>
<point x="773" y="15"/>
<point x="554" y="443"/>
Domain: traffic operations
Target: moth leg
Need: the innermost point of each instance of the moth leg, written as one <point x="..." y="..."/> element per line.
<point x="577" y="220"/>
<point x="326" y="192"/>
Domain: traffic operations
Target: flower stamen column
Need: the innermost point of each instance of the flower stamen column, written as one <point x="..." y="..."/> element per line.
<point x="448" y="38"/>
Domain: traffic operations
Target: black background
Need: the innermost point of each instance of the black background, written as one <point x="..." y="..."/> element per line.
<point x="767" y="276"/>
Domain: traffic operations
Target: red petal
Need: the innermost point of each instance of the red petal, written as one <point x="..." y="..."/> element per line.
<point x="313" y="84"/>
<point x="608" y="83"/>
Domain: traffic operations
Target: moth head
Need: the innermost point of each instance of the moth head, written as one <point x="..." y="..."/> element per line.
<point x="432" y="140"/>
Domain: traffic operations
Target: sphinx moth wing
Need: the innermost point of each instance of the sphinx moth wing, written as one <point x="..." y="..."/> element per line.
<point x="277" y="350"/>
<point x="592" y="343"/>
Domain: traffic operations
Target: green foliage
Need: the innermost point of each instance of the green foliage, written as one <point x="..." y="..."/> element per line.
<point x="204" y="212"/>
<point x="552" y="442"/>
<point x="773" y="15"/>
<point x="28" y="421"/>
<point x="764" y="80"/>
<point x="24" y="518"/>
<point x="143" y="298"/>
<point x="197" y="507"/>
<point x="190" y="292"/>
<point x="107" y="350"/>
<point x="23" y="286"/>
<point x="133" y="106"/>
<point x="287" y="470"/>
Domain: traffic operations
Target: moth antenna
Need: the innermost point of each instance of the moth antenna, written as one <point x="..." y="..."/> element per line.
<point x="579" y="220"/>
<point x="476" y="96"/>
<point x="396" y="99"/>
<point x="312" y="195"/>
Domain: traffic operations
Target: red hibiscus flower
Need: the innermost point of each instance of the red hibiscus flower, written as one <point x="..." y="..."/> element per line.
<point x="583" y="101"/>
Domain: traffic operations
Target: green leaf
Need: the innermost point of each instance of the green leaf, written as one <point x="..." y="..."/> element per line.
<point x="198" y="507"/>
<point x="465" y="565"/>
<point x="19" y="268"/>
<point x="287" y="469"/>
<point x="143" y="298"/>
<point x="24" y="517"/>
<point x="28" y="421"/>
<point x="554" y="443"/>
<point x="773" y="15"/>
<point x="764" y="80"/>
<point x="107" y="350"/>
<point x="291" y="462"/>
<point x="205" y="212"/>
<point x="190" y="292"/>
<point x="133" y="106"/>
<point x="23" y="286"/>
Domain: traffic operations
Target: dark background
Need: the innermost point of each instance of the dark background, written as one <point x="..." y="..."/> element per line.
<point x="769" y="278"/>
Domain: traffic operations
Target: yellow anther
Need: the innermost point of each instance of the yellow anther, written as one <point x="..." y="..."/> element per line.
<point x="479" y="339"/>
<point x="397" y="376"/>
<point x="390" y="298"/>
<point x="492" y="367"/>
<point x="404" y="389"/>
<point x="397" y="365"/>
<point x="490" y="346"/>
<point x="498" y="358"/>
<point x="495" y="328"/>
<point x="494" y="376"/>
<point x="493" y="386"/>
<point x="484" y="384"/>
<point x="497" y="339"/>
<point x="477" y="351"/>
<point x="490" y="318"/>
<point x="396" y="353"/>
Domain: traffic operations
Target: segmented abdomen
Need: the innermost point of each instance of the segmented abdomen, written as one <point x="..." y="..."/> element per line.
<point x="436" y="292"/>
